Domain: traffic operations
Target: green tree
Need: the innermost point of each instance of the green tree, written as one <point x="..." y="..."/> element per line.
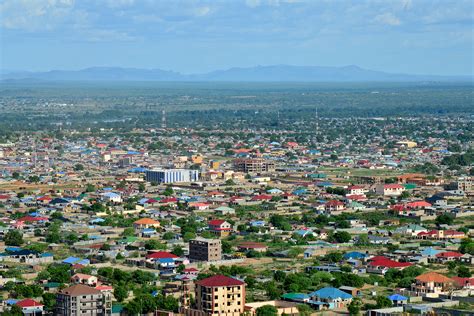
<point x="334" y="257"/>
<point x="363" y="240"/>
<point x="129" y="231"/>
<point x="120" y="293"/>
<point x="153" y="244"/>
<point x="267" y="310"/>
<point x="304" y="310"/>
<point x="78" y="167"/>
<point x="188" y="236"/>
<point x="383" y="301"/>
<point x="167" y="236"/>
<point x="464" y="272"/>
<point x="168" y="191"/>
<point x="444" y="219"/>
<point x="14" y="310"/>
<point x="467" y="246"/>
<point x="49" y="301"/>
<point x="342" y="236"/>
<point x="295" y="252"/>
<point x="355" y="306"/>
<point x="178" y="250"/>
<point x="13" y="238"/>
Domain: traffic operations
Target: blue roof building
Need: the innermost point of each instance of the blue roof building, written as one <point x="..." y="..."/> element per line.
<point x="354" y="255"/>
<point x="329" y="294"/>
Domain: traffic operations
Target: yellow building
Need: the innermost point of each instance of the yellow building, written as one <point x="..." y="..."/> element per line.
<point x="214" y="164"/>
<point x="220" y="295"/>
<point x="196" y="159"/>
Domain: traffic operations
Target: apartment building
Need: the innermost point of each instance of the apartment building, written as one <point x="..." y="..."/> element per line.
<point x="465" y="184"/>
<point x="172" y="175"/>
<point x="83" y="300"/>
<point x="205" y="249"/>
<point x="220" y="295"/>
<point x="253" y="165"/>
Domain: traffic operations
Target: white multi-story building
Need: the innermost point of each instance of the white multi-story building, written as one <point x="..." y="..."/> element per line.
<point x="172" y="175"/>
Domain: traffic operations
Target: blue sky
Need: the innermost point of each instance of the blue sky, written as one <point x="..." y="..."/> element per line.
<point x="406" y="36"/>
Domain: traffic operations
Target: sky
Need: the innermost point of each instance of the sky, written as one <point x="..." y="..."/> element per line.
<point x="194" y="36"/>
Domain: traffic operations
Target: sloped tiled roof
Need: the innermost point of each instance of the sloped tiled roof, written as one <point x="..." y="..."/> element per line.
<point x="219" y="280"/>
<point x="79" y="289"/>
<point x="433" y="277"/>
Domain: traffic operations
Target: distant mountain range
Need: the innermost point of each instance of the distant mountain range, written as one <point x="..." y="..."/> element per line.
<point x="275" y="73"/>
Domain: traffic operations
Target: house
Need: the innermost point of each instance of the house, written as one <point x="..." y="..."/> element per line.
<point x="378" y="240"/>
<point x="112" y="197"/>
<point x="199" y="206"/>
<point x="441" y="234"/>
<point x="464" y="283"/>
<point x="351" y="290"/>
<point x="390" y="189"/>
<point x="30" y="307"/>
<point x="74" y="261"/>
<point x="296" y="297"/>
<point x="333" y="206"/>
<point x="249" y="245"/>
<point x="432" y="283"/>
<point x="80" y="278"/>
<point x="330" y="298"/>
<point x="398" y="299"/>
<point x="144" y="223"/>
<point x="356" y="190"/>
<point x="220" y="227"/>
<point x="381" y="264"/>
<point x="164" y="261"/>
<point x="430" y="252"/>
<point x="444" y="257"/>
<point x="410" y="230"/>
<point x="191" y="272"/>
<point x="304" y="232"/>
<point x="282" y="307"/>
<point x="355" y="255"/>
<point x="417" y="204"/>
<point x="26" y="256"/>
<point x="224" y="210"/>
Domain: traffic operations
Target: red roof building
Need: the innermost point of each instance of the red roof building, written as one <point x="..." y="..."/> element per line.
<point x="161" y="255"/>
<point x="218" y="281"/>
<point x="384" y="262"/>
<point x="28" y="302"/>
<point x="220" y="227"/>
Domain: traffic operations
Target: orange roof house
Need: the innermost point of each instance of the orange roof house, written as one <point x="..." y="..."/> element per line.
<point x="432" y="282"/>
<point x="433" y="277"/>
<point x="146" y="223"/>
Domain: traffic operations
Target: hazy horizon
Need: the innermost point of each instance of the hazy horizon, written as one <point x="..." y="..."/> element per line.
<point x="198" y="36"/>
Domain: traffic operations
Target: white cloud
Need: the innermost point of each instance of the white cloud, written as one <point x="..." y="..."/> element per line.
<point x="202" y="11"/>
<point x="119" y="3"/>
<point x="252" y="3"/>
<point x="387" y="19"/>
<point x="95" y="35"/>
<point x="35" y="14"/>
